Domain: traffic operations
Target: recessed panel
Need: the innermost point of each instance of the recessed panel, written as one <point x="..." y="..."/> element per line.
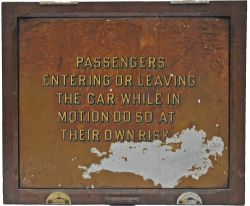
<point x="124" y="102"/>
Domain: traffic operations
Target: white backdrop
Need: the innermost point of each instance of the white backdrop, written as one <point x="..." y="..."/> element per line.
<point x="247" y="201"/>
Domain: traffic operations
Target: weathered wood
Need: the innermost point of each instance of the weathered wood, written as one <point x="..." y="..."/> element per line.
<point x="14" y="13"/>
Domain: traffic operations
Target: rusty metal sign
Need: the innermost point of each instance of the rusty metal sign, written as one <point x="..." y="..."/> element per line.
<point x="124" y="102"/>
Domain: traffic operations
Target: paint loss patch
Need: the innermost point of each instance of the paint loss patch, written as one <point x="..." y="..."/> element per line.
<point x="185" y="154"/>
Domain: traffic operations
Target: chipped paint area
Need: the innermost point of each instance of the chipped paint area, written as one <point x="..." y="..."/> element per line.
<point x="162" y="162"/>
<point x="97" y="152"/>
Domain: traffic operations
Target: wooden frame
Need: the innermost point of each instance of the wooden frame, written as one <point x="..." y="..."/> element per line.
<point x="234" y="10"/>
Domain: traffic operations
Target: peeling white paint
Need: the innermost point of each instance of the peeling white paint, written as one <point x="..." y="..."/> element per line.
<point x="163" y="163"/>
<point x="97" y="152"/>
<point x="82" y="167"/>
<point x="74" y="158"/>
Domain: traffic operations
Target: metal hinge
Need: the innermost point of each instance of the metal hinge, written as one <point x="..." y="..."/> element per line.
<point x="190" y="1"/>
<point x="58" y="3"/>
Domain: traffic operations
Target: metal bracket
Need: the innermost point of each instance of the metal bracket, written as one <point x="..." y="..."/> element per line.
<point x="58" y="198"/>
<point x="189" y="198"/>
<point x="54" y="3"/>
<point x="189" y="2"/>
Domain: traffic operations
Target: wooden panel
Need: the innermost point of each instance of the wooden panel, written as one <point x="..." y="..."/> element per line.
<point x="215" y="52"/>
